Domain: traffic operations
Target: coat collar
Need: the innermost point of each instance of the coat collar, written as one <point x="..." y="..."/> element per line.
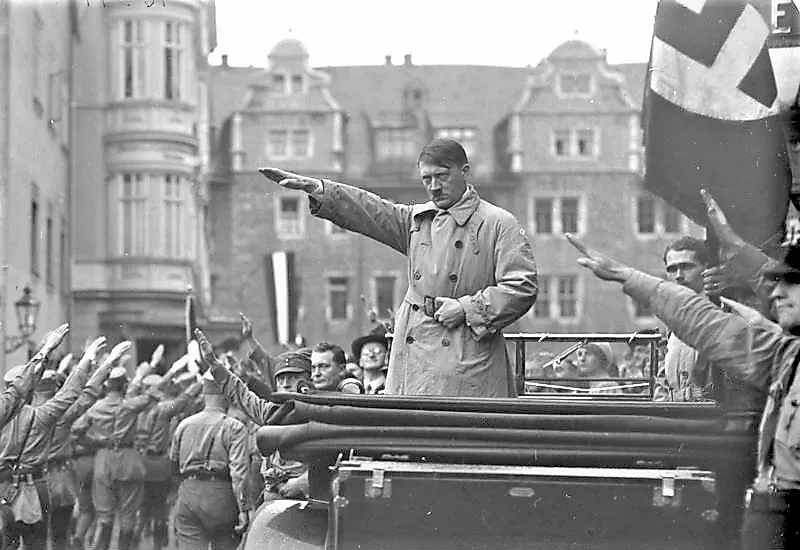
<point x="461" y="211"/>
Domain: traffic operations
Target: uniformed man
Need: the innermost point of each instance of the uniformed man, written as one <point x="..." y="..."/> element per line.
<point x="154" y="434"/>
<point x="20" y="383"/>
<point x="118" y="483"/>
<point x="61" y="481"/>
<point x="24" y="448"/>
<point x="209" y="451"/>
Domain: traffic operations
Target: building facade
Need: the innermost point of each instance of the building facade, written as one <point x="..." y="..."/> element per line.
<point x="36" y="46"/>
<point x="559" y="145"/>
<point x="140" y="163"/>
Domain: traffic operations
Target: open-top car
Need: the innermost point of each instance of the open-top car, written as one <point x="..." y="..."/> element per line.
<point x="562" y="468"/>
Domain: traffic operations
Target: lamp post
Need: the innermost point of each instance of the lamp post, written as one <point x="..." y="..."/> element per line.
<point x="27" y="310"/>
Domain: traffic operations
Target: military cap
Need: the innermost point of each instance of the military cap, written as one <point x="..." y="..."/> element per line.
<point x="12" y="373"/>
<point x="118" y="373"/>
<point x="292" y="362"/>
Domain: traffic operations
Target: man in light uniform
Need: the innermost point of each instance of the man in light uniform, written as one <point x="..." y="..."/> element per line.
<point x="209" y="451"/>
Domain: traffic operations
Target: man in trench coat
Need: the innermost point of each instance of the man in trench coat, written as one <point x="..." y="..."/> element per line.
<point x="471" y="273"/>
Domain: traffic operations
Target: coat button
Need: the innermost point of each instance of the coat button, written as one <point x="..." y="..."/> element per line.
<point x="445" y="342"/>
<point x="409" y="339"/>
<point x="458" y="244"/>
<point x="453" y="277"/>
<point x="415" y="307"/>
<point x="417" y="275"/>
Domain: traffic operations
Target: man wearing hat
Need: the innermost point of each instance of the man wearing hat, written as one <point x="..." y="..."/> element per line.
<point x="763" y="355"/>
<point x="209" y="451"/>
<point x="19" y="380"/>
<point x="153" y="441"/>
<point x="24" y="444"/>
<point x="370" y="351"/>
<point x="118" y="478"/>
<point x="62" y="483"/>
<point x="293" y="369"/>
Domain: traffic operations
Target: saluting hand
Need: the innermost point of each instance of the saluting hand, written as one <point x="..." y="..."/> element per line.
<point x="729" y="241"/>
<point x="290" y="180"/>
<point x="602" y="266"/>
<point x="54" y="338"/>
<point x="64" y="364"/>
<point x="158" y="355"/>
<point x="93" y="349"/>
<point x="207" y="350"/>
<point x="247" y="327"/>
<point x="118" y="351"/>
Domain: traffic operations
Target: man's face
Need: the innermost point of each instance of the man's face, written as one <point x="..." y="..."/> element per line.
<point x="325" y="372"/>
<point x="445" y="184"/>
<point x="287" y="381"/>
<point x="785" y="301"/>
<point x="683" y="268"/>
<point x="373" y="356"/>
<point x="590" y="362"/>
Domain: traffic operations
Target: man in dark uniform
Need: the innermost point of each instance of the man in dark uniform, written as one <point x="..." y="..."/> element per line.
<point x="209" y="451"/>
<point x="154" y="436"/>
<point x="118" y="484"/>
<point x="24" y="447"/>
<point x="62" y="485"/>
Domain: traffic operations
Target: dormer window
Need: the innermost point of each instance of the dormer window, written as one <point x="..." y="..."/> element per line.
<point x="279" y="82"/>
<point x="575" y="84"/>
<point x="297" y="84"/>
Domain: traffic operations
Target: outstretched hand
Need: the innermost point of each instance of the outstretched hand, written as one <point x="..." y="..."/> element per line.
<point x="602" y="266"/>
<point x="247" y="327"/>
<point x="290" y="180"/>
<point x="54" y="338"/>
<point x="729" y="241"/>
<point x="207" y="350"/>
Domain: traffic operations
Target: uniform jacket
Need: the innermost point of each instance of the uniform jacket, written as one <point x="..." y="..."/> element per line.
<point x="757" y="353"/>
<point x="38" y="422"/>
<point x="213" y="440"/>
<point x="475" y="252"/>
<point x="14" y="394"/>
<point x="112" y="422"/>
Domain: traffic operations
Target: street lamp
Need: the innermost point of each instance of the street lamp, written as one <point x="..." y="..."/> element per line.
<point x="27" y="309"/>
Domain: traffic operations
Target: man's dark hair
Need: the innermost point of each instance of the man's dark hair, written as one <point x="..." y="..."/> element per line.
<point x="443" y="152"/>
<point x="338" y="353"/>
<point x="701" y="252"/>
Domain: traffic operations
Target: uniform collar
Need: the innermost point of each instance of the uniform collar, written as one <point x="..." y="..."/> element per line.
<point x="461" y="211"/>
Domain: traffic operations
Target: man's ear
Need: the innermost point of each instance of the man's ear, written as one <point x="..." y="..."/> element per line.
<point x="466" y="169"/>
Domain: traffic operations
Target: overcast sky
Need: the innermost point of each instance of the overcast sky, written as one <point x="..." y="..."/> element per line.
<point x="498" y="32"/>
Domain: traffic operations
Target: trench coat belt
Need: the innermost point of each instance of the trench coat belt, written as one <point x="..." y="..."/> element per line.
<point x="417" y="301"/>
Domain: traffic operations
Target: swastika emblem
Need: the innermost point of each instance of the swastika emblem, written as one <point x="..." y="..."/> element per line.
<point x="710" y="58"/>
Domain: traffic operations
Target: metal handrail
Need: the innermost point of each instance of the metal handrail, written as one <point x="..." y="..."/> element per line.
<point x="520" y="339"/>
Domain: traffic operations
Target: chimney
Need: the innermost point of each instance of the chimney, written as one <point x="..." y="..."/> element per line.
<point x="388" y="60"/>
<point x="407" y="59"/>
<point x="224" y="60"/>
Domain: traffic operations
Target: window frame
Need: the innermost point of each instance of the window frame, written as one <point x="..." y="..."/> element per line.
<point x="137" y="46"/>
<point x="288" y="143"/>
<point x="174" y="214"/>
<point x="572" y="136"/>
<point x="549" y="293"/>
<point x="557" y="215"/>
<point x="401" y="144"/>
<point x="173" y="70"/>
<point x="138" y="203"/>
<point x="280" y="223"/>
<point x="660" y="208"/>
<point x="396" y="292"/>
<point x="560" y="89"/>
<point x="330" y="288"/>
<point x="35" y="211"/>
<point x="467" y="136"/>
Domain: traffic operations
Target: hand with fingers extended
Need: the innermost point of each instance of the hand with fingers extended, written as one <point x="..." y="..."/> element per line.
<point x="158" y="355"/>
<point x="118" y="351"/>
<point x="290" y="180"/>
<point x="729" y="241"/>
<point x="449" y="312"/>
<point x="602" y="266"/>
<point x="94" y="348"/>
<point x="54" y="338"/>
<point x="207" y="350"/>
<point x="64" y="364"/>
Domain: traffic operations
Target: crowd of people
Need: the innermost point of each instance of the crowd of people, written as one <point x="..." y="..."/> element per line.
<point x="90" y="454"/>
